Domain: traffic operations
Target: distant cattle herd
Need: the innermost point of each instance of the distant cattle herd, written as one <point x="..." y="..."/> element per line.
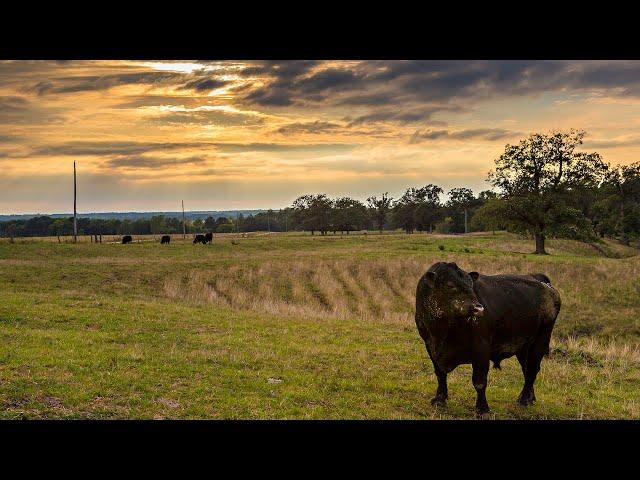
<point x="199" y="238"/>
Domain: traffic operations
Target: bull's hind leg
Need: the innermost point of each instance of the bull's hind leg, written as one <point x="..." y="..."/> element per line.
<point x="530" y="362"/>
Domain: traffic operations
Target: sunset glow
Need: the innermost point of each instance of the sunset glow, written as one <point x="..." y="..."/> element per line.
<point x="256" y="134"/>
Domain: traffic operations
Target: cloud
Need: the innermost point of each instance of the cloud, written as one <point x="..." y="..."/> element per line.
<point x="204" y="84"/>
<point x="82" y="148"/>
<point x="206" y="117"/>
<point x="151" y="162"/>
<point x="18" y="110"/>
<point x="488" y="134"/>
<point x="285" y="147"/>
<point x="435" y="85"/>
<point x="403" y="116"/>
<point x="309" y="127"/>
<point x="74" y="84"/>
<point x="613" y="143"/>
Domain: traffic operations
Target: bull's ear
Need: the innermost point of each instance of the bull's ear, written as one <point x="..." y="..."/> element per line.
<point x="430" y="278"/>
<point x="474" y="275"/>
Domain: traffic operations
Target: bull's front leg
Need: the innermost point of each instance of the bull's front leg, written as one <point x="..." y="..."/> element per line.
<point x="480" y="364"/>
<point x="442" y="394"/>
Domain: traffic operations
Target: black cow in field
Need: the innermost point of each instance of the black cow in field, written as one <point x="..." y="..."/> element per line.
<point x="127" y="239"/>
<point x="165" y="239"/>
<point x="471" y="318"/>
<point x="208" y="237"/>
<point x="199" y="238"/>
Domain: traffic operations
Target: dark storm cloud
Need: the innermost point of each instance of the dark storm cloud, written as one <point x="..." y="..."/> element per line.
<point x="267" y="97"/>
<point x="405" y="83"/>
<point x="329" y="79"/>
<point x="488" y="134"/>
<point x="283" y="74"/>
<point x="151" y="162"/>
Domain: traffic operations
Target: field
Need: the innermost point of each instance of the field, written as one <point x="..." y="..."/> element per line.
<point x="294" y="326"/>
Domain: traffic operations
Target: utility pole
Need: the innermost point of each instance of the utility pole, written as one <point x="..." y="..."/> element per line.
<point x="465" y="221"/>
<point x="184" y="225"/>
<point x="75" y="219"/>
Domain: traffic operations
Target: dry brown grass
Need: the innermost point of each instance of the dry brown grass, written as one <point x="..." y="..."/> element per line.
<point x="384" y="289"/>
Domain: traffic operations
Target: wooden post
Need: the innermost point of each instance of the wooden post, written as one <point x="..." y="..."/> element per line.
<point x="184" y="226"/>
<point x="75" y="219"/>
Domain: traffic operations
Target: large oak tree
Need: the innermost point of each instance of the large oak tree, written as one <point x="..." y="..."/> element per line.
<point x="538" y="179"/>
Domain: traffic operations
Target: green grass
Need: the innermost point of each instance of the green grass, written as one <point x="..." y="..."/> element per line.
<point x="293" y="326"/>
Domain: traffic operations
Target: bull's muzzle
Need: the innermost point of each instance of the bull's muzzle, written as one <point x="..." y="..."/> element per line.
<point x="478" y="310"/>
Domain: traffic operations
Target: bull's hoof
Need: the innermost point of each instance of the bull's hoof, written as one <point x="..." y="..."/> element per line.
<point x="526" y="399"/>
<point x="483" y="410"/>
<point x="439" y="401"/>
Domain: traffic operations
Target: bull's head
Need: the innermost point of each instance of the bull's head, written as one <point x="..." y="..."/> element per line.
<point x="452" y="289"/>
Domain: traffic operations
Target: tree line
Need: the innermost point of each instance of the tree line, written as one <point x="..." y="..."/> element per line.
<point x="541" y="187"/>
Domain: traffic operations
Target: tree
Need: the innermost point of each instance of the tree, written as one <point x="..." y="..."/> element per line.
<point x="618" y="210"/>
<point x="537" y="180"/>
<point x="418" y="208"/>
<point x="485" y="217"/>
<point x="460" y="201"/>
<point x="312" y="212"/>
<point x="348" y="214"/>
<point x="380" y="208"/>
<point x="210" y="224"/>
<point x="404" y="211"/>
<point x="428" y="207"/>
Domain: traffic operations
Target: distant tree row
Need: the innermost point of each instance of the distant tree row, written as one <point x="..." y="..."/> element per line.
<point x="48" y="226"/>
<point x="542" y="187"/>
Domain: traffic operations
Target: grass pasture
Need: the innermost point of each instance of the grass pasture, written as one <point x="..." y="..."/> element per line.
<point x="294" y="326"/>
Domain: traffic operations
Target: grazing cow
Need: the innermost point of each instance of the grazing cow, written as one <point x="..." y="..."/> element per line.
<point x="471" y="318"/>
<point x="198" y="239"/>
<point x="127" y="239"/>
<point x="165" y="239"/>
<point x="208" y="237"/>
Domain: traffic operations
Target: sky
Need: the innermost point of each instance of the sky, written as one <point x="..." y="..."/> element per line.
<point x="226" y="135"/>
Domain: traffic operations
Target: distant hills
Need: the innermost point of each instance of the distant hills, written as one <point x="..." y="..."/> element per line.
<point x="193" y="215"/>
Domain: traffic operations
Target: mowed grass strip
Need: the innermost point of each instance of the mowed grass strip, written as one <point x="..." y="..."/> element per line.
<point x="292" y="326"/>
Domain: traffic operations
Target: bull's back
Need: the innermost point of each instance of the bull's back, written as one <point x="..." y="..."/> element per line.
<point x="518" y="298"/>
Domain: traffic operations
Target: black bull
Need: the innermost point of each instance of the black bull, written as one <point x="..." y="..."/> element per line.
<point x="471" y="318"/>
